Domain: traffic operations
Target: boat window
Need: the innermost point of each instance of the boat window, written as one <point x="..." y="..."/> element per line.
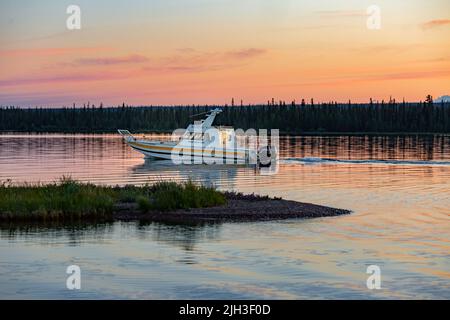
<point x="185" y="136"/>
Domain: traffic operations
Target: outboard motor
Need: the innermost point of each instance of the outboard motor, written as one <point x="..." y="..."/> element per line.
<point x="267" y="155"/>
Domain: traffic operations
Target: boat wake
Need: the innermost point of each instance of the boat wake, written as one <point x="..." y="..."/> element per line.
<point x="313" y="160"/>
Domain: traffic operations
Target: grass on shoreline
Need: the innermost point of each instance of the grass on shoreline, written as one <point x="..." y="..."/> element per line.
<point x="68" y="199"/>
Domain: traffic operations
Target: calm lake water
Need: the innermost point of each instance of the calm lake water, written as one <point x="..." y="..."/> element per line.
<point x="397" y="187"/>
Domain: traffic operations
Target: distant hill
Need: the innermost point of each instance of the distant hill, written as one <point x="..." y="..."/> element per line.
<point x="443" y="98"/>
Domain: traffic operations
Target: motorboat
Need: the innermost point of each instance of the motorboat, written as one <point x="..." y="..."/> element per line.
<point x="202" y="143"/>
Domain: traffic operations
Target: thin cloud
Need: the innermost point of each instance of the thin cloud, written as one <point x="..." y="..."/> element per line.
<point x="391" y="48"/>
<point x="62" y="78"/>
<point x="107" y="61"/>
<point x="430" y="60"/>
<point x="401" y="75"/>
<point x="341" y="13"/>
<point x="50" y="51"/>
<point x="345" y="80"/>
<point x="38" y="98"/>
<point x="184" y="68"/>
<point x="435" y="24"/>
<point x="246" y="53"/>
<point x="410" y="75"/>
<point x="192" y="61"/>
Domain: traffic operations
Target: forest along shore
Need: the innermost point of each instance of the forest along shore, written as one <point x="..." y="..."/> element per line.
<point x="290" y="118"/>
<point x="72" y="201"/>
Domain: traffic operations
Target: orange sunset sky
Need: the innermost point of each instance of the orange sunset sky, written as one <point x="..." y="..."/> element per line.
<point x="208" y="51"/>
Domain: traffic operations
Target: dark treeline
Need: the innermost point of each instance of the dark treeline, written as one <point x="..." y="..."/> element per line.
<point x="426" y="117"/>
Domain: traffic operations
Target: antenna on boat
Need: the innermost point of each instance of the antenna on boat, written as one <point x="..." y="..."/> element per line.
<point x="215" y="111"/>
<point x="198" y="114"/>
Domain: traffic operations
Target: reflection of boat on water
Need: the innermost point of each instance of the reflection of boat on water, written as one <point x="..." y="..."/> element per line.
<point x="201" y="143"/>
<point x="214" y="175"/>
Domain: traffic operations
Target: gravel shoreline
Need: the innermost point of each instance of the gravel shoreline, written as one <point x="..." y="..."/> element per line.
<point x="239" y="207"/>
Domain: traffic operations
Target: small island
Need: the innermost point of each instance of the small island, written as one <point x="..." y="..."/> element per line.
<point x="166" y="201"/>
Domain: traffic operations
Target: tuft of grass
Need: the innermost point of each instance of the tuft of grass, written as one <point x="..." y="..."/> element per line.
<point x="144" y="203"/>
<point x="68" y="199"/>
<point x="169" y="196"/>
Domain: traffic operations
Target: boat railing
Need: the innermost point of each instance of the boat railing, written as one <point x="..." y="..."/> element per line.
<point x="126" y="135"/>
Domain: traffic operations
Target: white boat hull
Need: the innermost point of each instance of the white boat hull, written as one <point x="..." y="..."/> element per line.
<point x="187" y="154"/>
